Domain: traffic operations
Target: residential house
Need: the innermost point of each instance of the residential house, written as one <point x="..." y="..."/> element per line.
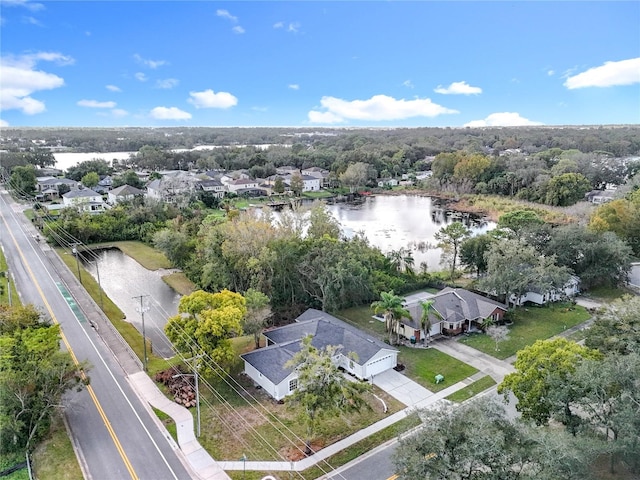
<point x="242" y="184"/>
<point x="213" y="186"/>
<point x="174" y="186"/>
<point x="541" y="297"/>
<point x="287" y="170"/>
<point x="387" y="182"/>
<point x="309" y="183"/>
<point x="104" y="185"/>
<point x="457" y="310"/>
<point x="85" y="200"/>
<point x="600" y="196"/>
<point x="319" y="173"/>
<point x="124" y="193"/>
<point x="49" y="187"/>
<point x="359" y="354"/>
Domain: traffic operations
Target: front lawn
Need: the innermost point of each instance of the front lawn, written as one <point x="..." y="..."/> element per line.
<point x="475" y="388"/>
<point x="423" y="364"/>
<point x="530" y="324"/>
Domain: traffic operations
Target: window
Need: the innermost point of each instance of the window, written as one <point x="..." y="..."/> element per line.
<point x="293" y="384"/>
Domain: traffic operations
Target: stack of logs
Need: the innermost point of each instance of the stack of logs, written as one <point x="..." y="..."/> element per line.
<point x="179" y="385"/>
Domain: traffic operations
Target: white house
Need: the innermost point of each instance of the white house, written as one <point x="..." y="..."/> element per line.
<point x="123" y="193"/>
<point x="360" y="354"/>
<point x="387" y="182"/>
<point x="50" y="186"/>
<point x="213" y="186"/>
<point x="319" y="173"/>
<point x="85" y="200"/>
<point x="242" y="184"/>
<point x="539" y="297"/>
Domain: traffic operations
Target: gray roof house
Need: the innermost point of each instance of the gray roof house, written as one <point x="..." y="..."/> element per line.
<point x="360" y="354"/>
<point x="85" y="200"/>
<point x="124" y="193"/>
<point x="459" y="310"/>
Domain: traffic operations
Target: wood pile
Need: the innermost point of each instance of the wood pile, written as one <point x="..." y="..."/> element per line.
<point x="180" y="386"/>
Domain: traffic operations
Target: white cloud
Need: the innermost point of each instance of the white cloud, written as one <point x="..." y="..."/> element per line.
<point x="113" y="88"/>
<point x="293" y="27"/>
<point x="225" y="14"/>
<point x="141" y="76"/>
<point x="260" y="109"/>
<point x="31" y="21"/>
<point x="458" y="88"/>
<point x="294" y="86"/>
<point x="407" y="83"/>
<point x="95" y="104"/>
<point x="169" y="113"/>
<point x="153" y="64"/>
<point x="20" y="80"/>
<point x="624" y="72"/>
<point x="167" y="83"/>
<point x="119" y="112"/>
<point x="34" y="7"/>
<point x="376" y="108"/>
<point x="551" y="73"/>
<point x="278" y="25"/>
<point x="502" y="119"/>
<point x="238" y="29"/>
<point x="3" y="123"/>
<point x="210" y="99"/>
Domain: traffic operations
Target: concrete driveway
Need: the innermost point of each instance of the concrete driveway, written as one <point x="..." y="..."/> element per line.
<point x="401" y="388"/>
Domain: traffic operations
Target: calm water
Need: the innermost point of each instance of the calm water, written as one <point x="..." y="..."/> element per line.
<point x="391" y="222"/>
<point x="124" y="280"/>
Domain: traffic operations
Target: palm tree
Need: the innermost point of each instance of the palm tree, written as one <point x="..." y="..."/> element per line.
<point x="425" y="321"/>
<point x="393" y="310"/>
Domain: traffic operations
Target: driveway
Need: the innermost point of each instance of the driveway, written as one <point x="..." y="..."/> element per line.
<point x="401" y="388"/>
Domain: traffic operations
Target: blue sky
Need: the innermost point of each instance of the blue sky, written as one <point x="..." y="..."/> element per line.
<point x="305" y="63"/>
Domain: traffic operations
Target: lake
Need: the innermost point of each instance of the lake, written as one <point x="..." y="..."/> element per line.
<point x="391" y="222"/>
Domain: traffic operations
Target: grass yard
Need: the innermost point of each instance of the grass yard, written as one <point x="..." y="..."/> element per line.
<point x="54" y="457"/>
<point x="238" y="418"/>
<point x="606" y="293"/>
<point x="5" y="293"/>
<point x="472" y="390"/>
<point x="423" y="364"/>
<point x="530" y="324"/>
<point x="362" y="317"/>
<point x="180" y="283"/>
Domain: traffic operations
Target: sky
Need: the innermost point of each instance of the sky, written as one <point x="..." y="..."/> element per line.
<point x="319" y="64"/>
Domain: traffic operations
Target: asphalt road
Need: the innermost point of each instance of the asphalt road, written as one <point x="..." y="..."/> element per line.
<point x="113" y="432"/>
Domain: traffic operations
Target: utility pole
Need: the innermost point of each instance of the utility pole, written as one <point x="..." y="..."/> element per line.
<point x="195" y="376"/>
<point x="76" y="253"/>
<point x="143" y="309"/>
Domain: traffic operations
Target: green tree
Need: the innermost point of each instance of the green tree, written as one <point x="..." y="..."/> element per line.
<point x="90" y="180"/>
<point x="205" y="322"/>
<point x="258" y="312"/>
<point x="425" y="316"/>
<point x="176" y="245"/>
<point x="321" y="222"/>
<point x="323" y="390"/>
<point x="278" y="185"/>
<point x="23" y="180"/>
<point x="538" y="368"/>
<point x="450" y="239"/>
<point x="34" y="376"/>
<point x="567" y="189"/>
<point x="130" y="177"/>
<point x="473" y="250"/>
<point x="516" y="220"/>
<point x="97" y="165"/>
<point x="355" y="176"/>
<point x="296" y="184"/>
<point x="616" y="329"/>
<point x="393" y="310"/>
<point x="621" y="216"/>
<point x="476" y="441"/>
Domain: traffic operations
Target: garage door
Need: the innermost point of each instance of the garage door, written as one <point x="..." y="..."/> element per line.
<point x="380" y="365"/>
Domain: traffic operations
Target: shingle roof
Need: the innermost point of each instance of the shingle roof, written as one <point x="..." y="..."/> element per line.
<point x="85" y="192"/>
<point x="125" y="190"/>
<point x="325" y="329"/>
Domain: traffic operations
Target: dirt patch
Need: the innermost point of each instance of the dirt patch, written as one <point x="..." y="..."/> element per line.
<point x="296" y="453"/>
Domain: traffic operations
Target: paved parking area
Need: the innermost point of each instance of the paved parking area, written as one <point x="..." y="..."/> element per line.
<point x="401" y="388"/>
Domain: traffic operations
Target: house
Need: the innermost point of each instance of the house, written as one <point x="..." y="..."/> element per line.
<point x="86" y="200"/>
<point x="309" y="183"/>
<point x="236" y="186"/>
<point x="213" y="186"/>
<point x="387" y="182"/>
<point x="319" y="173"/>
<point x="541" y="297"/>
<point x="49" y="187"/>
<point x="104" y="185"/>
<point x="124" y="193"/>
<point x="174" y="186"/>
<point x="600" y="196"/>
<point x="360" y="354"/>
<point x="458" y="310"/>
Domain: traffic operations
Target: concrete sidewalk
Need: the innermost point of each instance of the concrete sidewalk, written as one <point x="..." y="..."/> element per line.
<point x="487" y="364"/>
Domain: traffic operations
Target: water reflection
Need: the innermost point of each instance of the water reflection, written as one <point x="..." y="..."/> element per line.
<point x="124" y="281"/>
<point x="392" y="222"/>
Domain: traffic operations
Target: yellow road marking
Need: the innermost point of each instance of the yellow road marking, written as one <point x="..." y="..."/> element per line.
<point x="96" y="402"/>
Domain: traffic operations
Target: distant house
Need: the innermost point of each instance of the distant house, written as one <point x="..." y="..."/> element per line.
<point x="104" y="185"/>
<point x="174" y="187"/>
<point x="319" y="173"/>
<point x="387" y="182"/>
<point x="124" y="193"/>
<point x="287" y="170"/>
<point x="213" y="186"/>
<point x="85" y="200"/>
<point x="49" y="187"/>
<point x="236" y="186"/>
<point x="459" y="310"/>
<point x="309" y="183"/>
<point x="541" y="297"/>
<point x="360" y="354"/>
<point x="600" y="196"/>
